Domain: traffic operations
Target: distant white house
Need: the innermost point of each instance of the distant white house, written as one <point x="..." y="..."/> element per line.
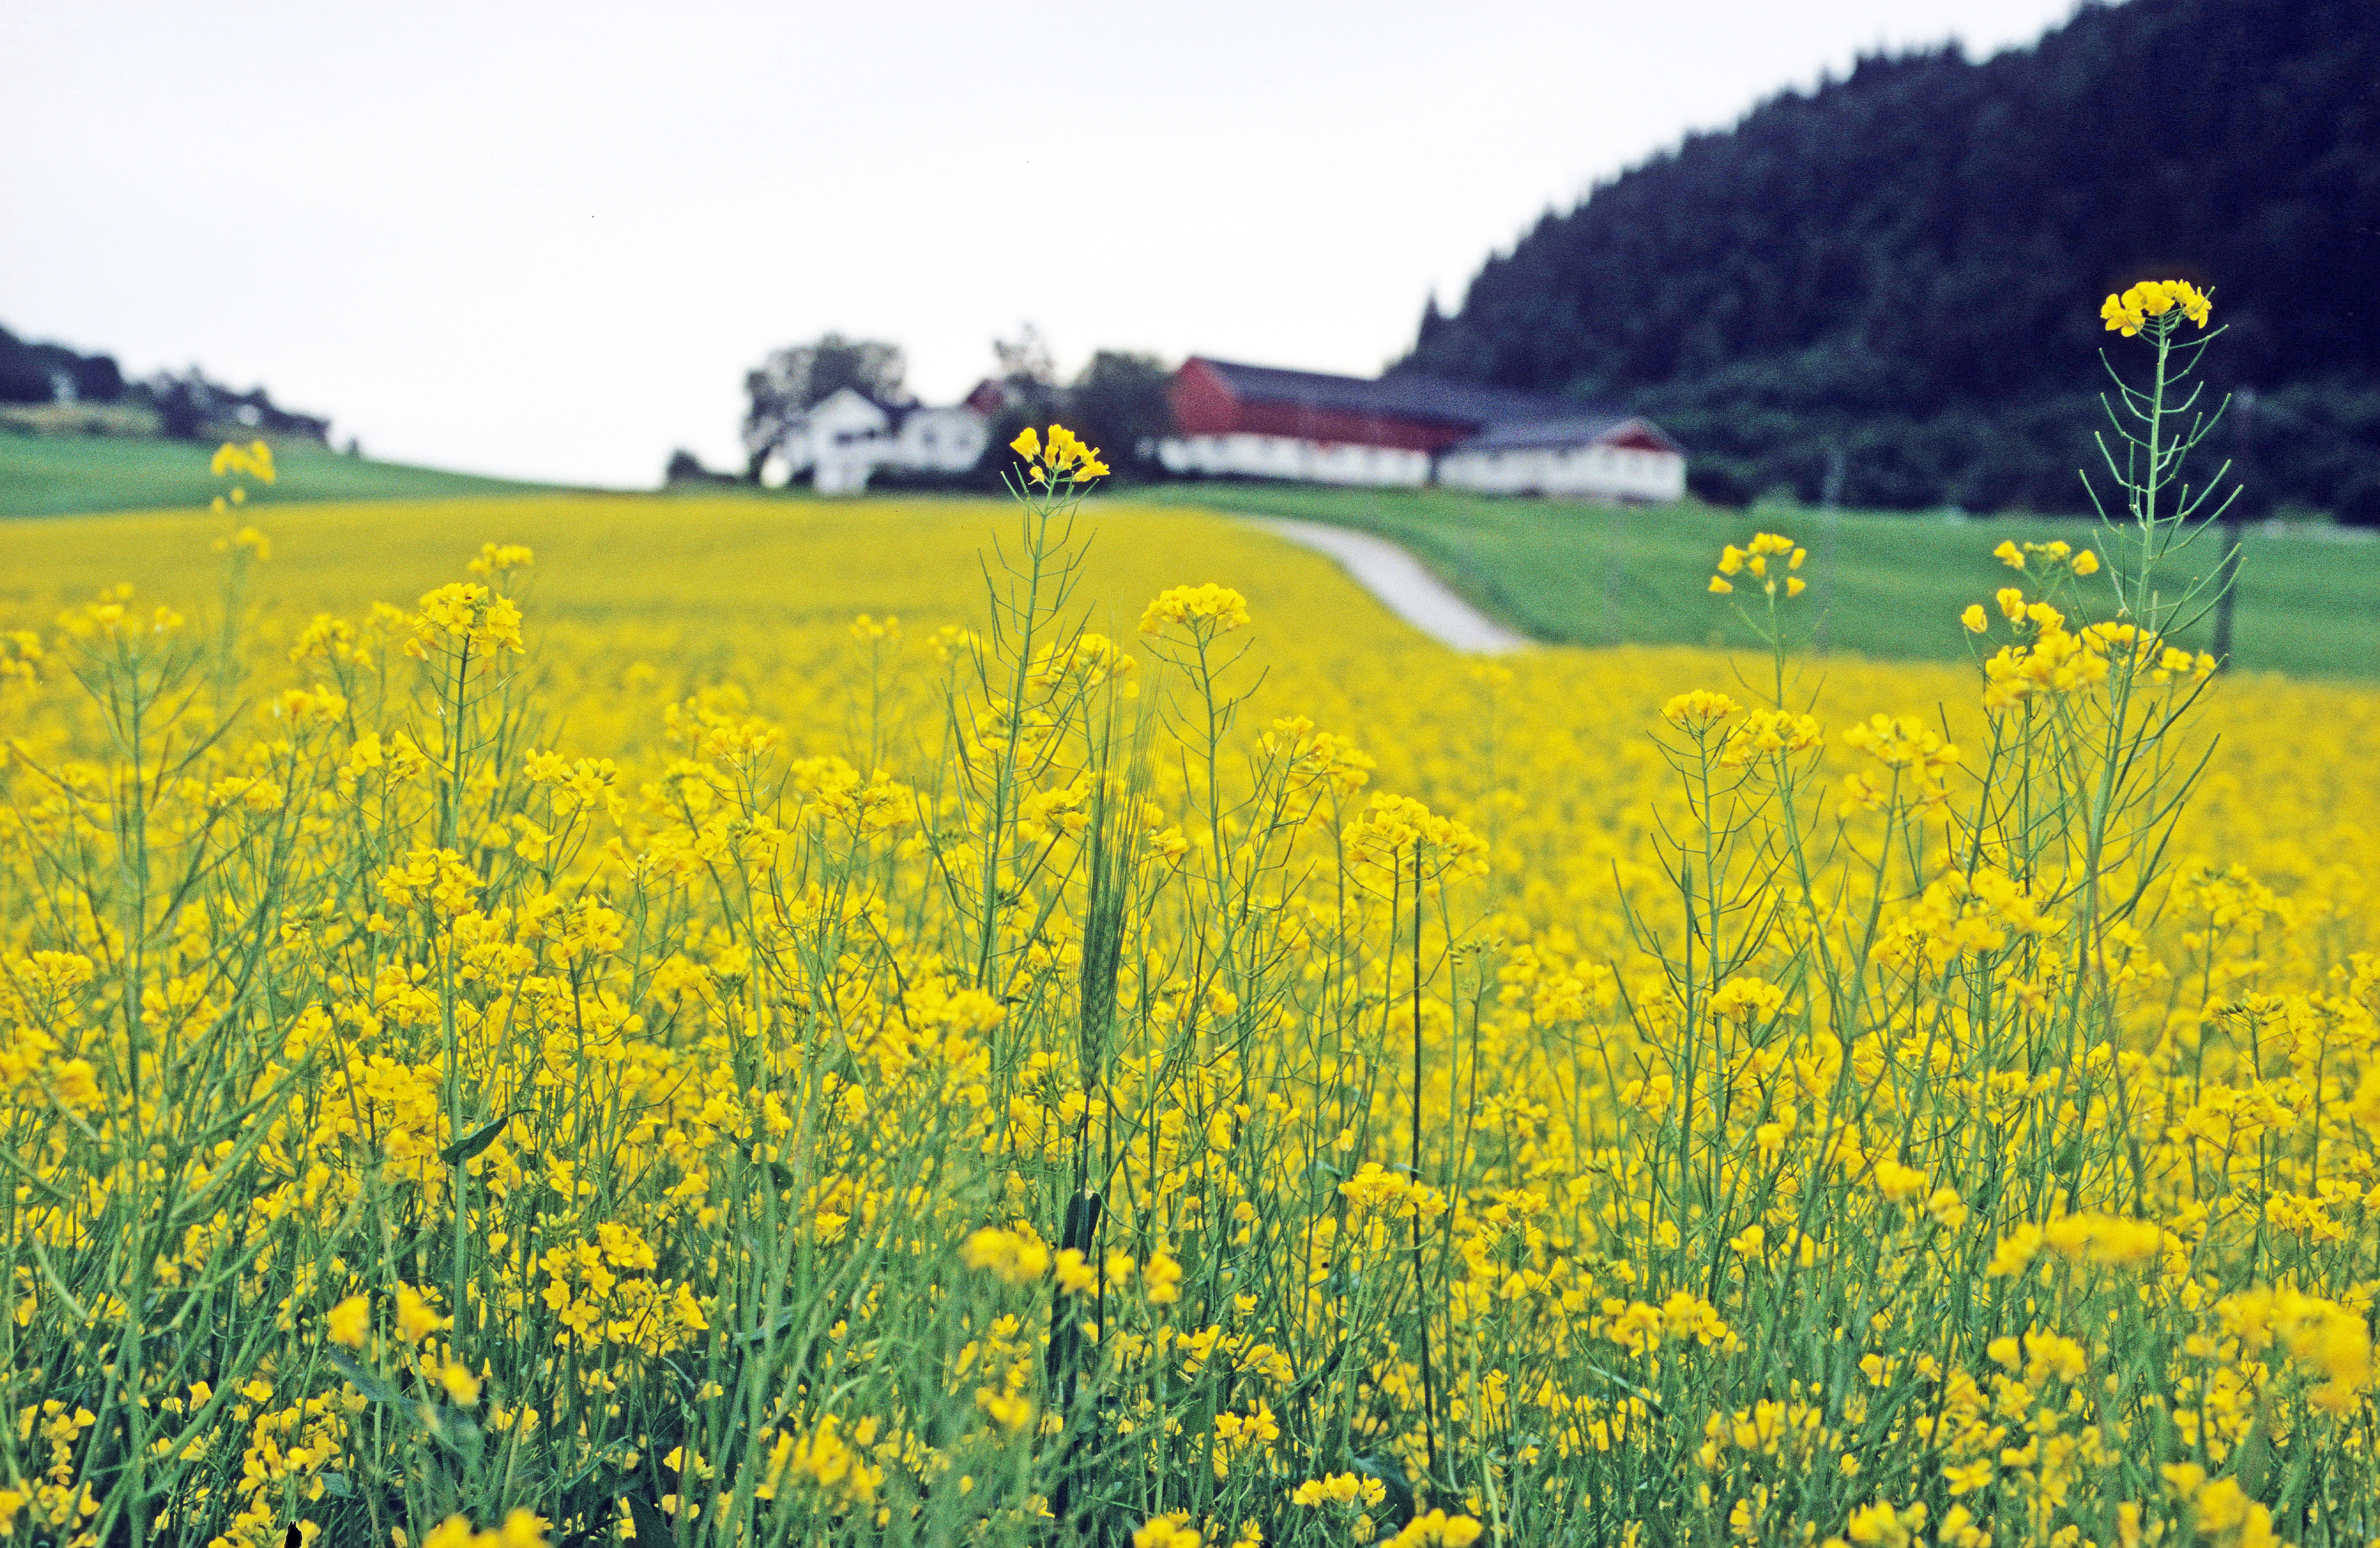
<point x="847" y="436"/>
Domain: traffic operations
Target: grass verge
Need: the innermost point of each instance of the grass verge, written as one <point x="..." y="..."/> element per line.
<point x="1886" y="583"/>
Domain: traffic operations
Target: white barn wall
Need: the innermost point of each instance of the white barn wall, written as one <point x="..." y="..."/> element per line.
<point x="1282" y="456"/>
<point x="1593" y="472"/>
<point x="1604" y="472"/>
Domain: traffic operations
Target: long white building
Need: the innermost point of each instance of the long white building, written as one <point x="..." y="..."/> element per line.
<point x="1258" y="422"/>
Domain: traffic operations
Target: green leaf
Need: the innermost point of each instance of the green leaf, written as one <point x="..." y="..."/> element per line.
<point x="784" y="1324"/>
<point x="475" y="1142"/>
<point x="363" y="1380"/>
<point x="652" y="1527"/>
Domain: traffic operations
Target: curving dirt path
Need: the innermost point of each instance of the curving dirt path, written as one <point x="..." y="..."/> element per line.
<point x="1398" y="579"/>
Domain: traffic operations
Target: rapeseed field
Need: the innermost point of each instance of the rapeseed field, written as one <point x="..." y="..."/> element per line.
<point x="743" y="1023"/>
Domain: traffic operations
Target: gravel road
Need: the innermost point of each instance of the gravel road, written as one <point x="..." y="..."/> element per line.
<point x="1398" y="579"/>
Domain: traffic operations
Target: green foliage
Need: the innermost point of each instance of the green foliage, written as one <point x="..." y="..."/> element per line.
<point x="29" y="373"/>
<point x="1119" y="404"/>
<point x="1903" y="267"/>
<point x="192" y="408"/>
<point x="792" y="379"/>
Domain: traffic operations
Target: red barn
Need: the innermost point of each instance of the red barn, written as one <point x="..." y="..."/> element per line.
<point x="1264" y="422"/>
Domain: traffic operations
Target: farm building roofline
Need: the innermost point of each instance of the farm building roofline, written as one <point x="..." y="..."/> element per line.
<point x="1500" y="411"/>
<point x="1577" y="429"/>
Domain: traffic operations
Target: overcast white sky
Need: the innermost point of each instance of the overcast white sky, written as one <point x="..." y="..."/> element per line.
<point x="548" y="239"/>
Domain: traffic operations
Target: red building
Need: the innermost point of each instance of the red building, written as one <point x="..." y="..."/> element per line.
<point x="1258" y="422"/>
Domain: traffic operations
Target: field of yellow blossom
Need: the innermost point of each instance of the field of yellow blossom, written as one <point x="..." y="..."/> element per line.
<point x="572" y="1020"/>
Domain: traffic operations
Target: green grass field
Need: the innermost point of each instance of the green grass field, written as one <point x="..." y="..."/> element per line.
<point x="50" y="476"/>
<point x="1882" y="584"/>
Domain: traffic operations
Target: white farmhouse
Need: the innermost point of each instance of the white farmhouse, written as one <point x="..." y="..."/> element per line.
<point x="848" y="435"/>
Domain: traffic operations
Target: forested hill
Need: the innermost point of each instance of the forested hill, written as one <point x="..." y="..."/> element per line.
<point x="1899" y="275"/>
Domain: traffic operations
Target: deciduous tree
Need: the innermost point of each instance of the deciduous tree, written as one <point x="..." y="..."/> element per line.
<point x="792" y="379"/>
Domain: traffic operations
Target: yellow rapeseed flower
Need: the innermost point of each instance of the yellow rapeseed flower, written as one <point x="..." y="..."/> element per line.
<point x="1063" y="456"/>
<point x="461" y="1386"/>
<point x="1167" y="1531"/>
<point x="1436" y="1528"/>
<point x="1017" y="1257"/>
<point x="1899" y="1184"/>
<point x="1754" y="558"/>
<point x="1205" y="610"/>
<point x="255" y="459"/>
<point x="351" y="1322"/>
<point x="416" y="1318"/>
<point x="1698" y="709"/>
<point x="2132" y="310"/>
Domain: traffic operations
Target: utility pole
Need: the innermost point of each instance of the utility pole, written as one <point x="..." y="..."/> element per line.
<point x="2243" y="405"/>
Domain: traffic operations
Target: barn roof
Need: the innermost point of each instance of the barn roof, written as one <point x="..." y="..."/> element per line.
<point x="1396" y="397"/>
<point x="1503" y="415"/>
<point x="1575" y="430"/>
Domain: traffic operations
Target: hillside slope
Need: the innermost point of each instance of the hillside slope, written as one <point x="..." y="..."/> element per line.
<point x="1897" y="276"/>
<point x="59" y="474"/>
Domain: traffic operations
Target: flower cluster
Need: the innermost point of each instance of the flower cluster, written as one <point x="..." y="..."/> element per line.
<point x="463" y="618"/>
<point x="251" y="460"/>
<point x="2151" y="300"/>
<point x="1401" y="837"/>
<point x="1064" y="459"/>
<point x="496" y="561"/>
<point x="1754" y="560"/>
<point x="1205" y="610"/>
<point x="1698" y="709"/>
<point x="1016" y="1256"/>
<point x="2052" y="556"/>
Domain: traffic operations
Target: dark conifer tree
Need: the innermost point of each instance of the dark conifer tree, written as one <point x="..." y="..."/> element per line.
<point x="1907" y="264"/>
